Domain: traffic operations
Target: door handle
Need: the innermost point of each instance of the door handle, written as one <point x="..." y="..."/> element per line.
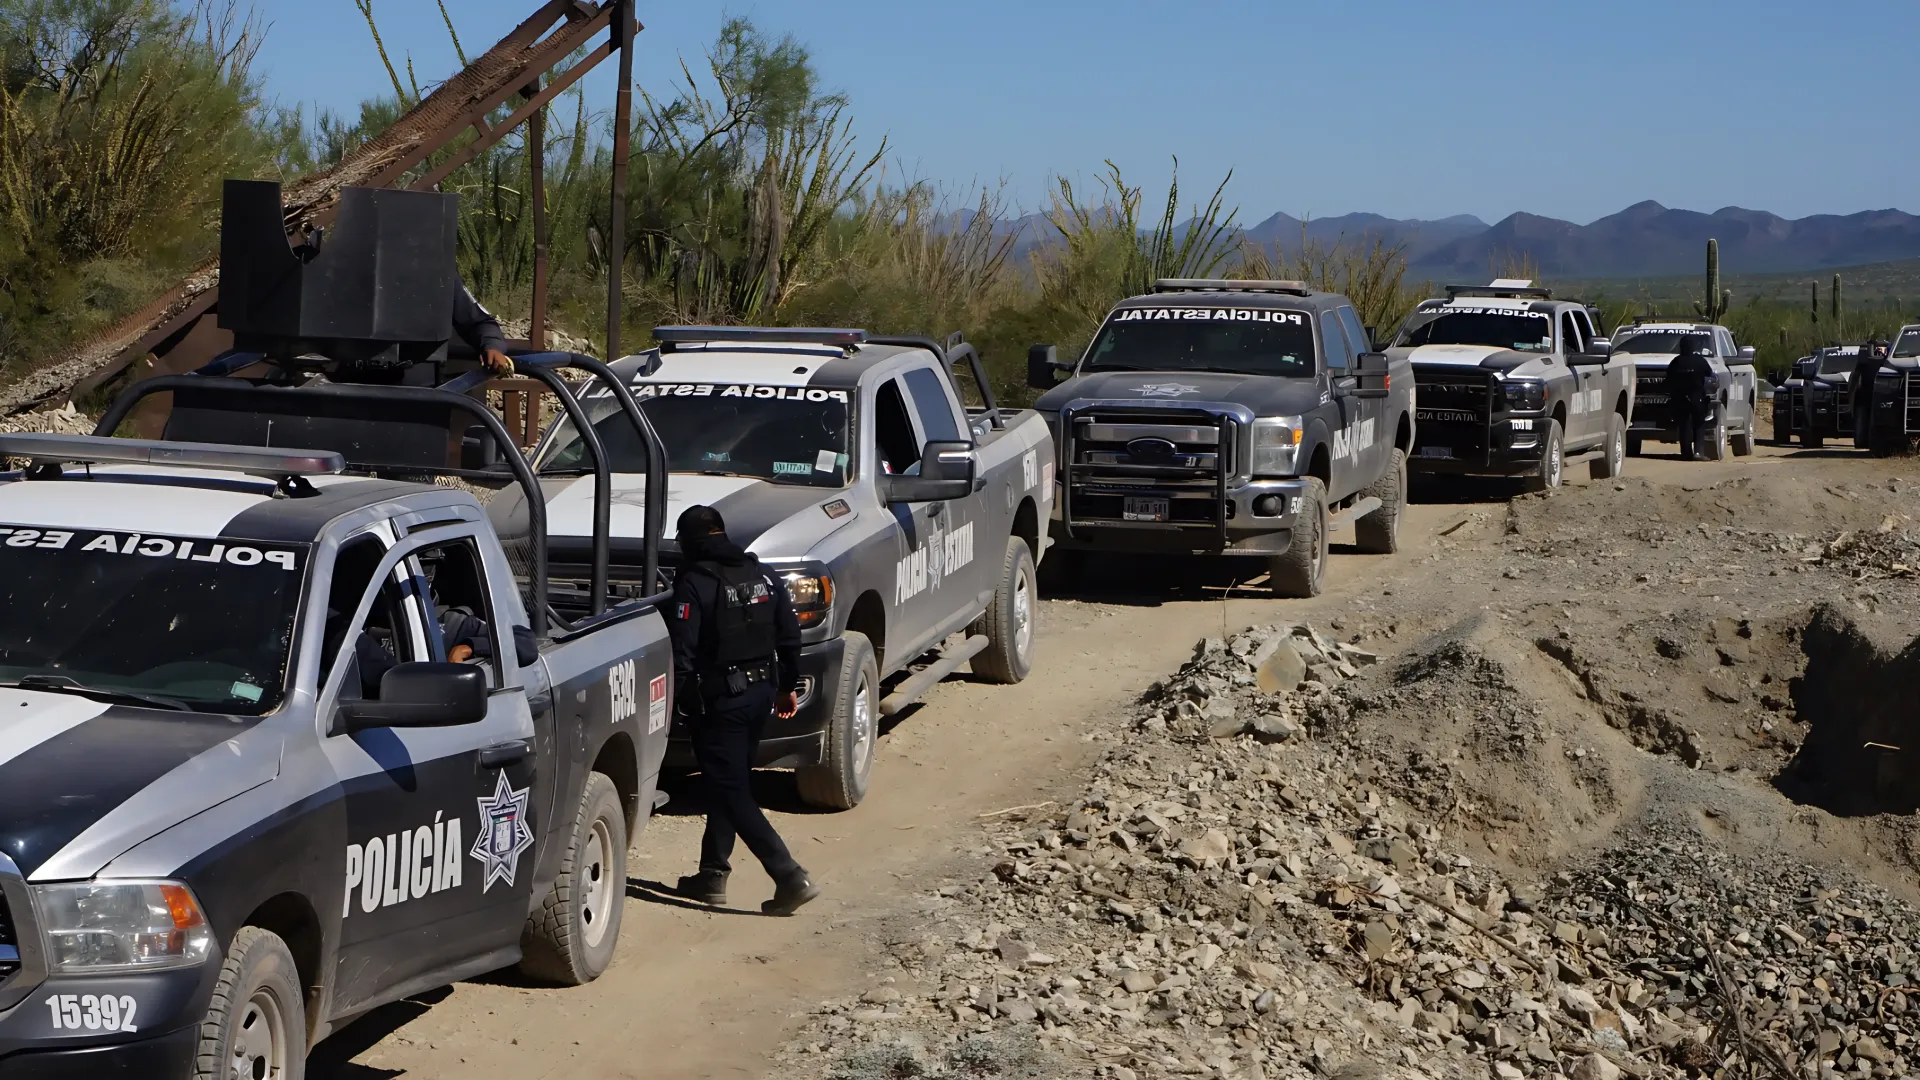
<point x="500" y="755"/>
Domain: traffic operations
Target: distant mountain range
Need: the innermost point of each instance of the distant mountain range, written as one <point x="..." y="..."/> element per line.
<point x="1644" y="240"/>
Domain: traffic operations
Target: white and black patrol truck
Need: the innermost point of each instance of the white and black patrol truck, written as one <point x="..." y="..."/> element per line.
<point x="284" y="735"/>
<point x="1651" y="343"/>
<point x="1229" y="418"/>
<point x="906" y="525"/>
<point x="1824" y="406"/>
<point x="1894" y="404"/>
<point x="223" y="835"/>
<point x="1515" y="383"/>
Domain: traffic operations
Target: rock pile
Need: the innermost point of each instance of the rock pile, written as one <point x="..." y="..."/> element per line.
<point x="1236" y="895"/>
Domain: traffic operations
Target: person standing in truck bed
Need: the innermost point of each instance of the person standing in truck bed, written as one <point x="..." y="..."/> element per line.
<point x="736" y="656"/>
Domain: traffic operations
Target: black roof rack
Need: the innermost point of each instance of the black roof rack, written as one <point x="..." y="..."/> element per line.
<point x="671" y="336"/>
<point x="1642" y="320"/>
<point x="1293" y="288"/>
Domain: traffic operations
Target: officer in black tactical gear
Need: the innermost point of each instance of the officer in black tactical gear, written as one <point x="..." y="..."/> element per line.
<point x="1687" y="394"/>
<point x="736" y="659"/>
<point x="1866" y="369"/>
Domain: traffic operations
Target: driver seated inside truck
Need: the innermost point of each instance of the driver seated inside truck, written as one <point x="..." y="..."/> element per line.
<point x="451" y="582"/>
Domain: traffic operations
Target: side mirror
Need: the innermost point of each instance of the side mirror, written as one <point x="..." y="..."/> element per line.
<point x="1747" y="354"/>
<point x="946" y="472"/>
<point x="1601" y="346"/>
<point x="421" y="695"/>
<point x="1370" y="378"/>
<point x="1043" y="367"/>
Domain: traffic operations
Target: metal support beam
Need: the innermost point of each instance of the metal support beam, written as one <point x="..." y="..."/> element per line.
<point x="537" y="169"/>
<point x="623" y="28"/>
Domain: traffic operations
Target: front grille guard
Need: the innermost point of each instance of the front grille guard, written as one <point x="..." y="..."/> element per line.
<point x="1230" y="420"/>
<point x="23" y="965"/>
<point x="1910" y="403"/>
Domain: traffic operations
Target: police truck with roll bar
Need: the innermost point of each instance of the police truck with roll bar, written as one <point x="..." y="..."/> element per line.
<point x="905" y="523"/>
<point x="1894" y="403"/>
<point x="1515" y="383"/>
<point x="285" y="734"/>
<point x="1228" y="418"/>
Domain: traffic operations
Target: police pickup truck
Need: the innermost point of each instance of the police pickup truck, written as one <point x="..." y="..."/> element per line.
<point x="1229" y="417"/>
<point x="1825" y="402"/>
<point x="281" y="742"/>
<point x="1515" y="383"/>
<point x="1651" y="343"/>
<point x="898" y="517"/>
<point x="1895" y="402"/>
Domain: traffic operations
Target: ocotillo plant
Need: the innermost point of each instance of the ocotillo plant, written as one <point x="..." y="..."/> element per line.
<point x="1714" y="307"/>
<point x="1834" y="308"/>
<point x="1813" y="313"/>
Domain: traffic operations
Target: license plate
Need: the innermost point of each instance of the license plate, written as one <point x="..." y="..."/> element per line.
<point x="1139" y="509"/>
<point x="1436" y="451"/>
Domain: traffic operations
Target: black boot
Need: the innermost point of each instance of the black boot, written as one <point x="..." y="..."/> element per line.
<point x="790" y="893"/>
<point x="706" y="887"/>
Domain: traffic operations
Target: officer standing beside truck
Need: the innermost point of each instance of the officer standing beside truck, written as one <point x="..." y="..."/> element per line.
<point x="1687" y="379"/>
<point x="736" y="659"/>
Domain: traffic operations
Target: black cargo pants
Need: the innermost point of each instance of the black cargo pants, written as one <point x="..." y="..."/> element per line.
<point x="1689" y="417"/>
<point x="724" y="743"/>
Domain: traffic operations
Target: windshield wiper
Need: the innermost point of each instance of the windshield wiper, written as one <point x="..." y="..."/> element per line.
<point x="723" y="472"/>
<point x="61" y="684"/>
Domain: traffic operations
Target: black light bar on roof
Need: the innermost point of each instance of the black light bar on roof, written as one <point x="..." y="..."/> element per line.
<point x="1293" y="288"/>
<point x="669" y="336"/>
<point x="1643" y="320"/>
<point x="54" y="449"/>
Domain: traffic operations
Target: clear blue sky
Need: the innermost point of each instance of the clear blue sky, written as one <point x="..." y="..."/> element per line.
<point x="1402" y="107"/>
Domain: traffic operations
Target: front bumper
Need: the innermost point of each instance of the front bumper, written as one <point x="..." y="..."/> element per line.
<point x="1246" y="530"/>
<point x="1508" y="446"/>
<point x="799" y="740"/>
<point x="60" y="1027"/>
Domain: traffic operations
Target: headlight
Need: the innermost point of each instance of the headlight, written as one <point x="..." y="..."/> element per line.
<point x="1275" y="439"/>
<point x="116" y="926"/>
<point x="812" y="595"/>
<point x="1525" y="395"/>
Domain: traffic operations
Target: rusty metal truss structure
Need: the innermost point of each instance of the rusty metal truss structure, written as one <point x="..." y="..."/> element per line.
<point x="526" y="70"/>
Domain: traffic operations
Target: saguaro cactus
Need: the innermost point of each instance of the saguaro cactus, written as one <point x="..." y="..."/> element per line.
<point x="1714" y="307"/>
<point x="1813" y="312"/>
<point x="1834" y="307"/>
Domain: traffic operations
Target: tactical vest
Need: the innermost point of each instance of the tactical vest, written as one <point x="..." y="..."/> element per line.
<point x="741" y="621"/>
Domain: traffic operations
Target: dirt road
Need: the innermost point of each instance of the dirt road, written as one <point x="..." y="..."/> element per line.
<point x="695" y="993"/>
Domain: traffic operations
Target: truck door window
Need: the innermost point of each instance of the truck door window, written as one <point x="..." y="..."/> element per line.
<point x="462" y="627"/>
<point x="1339" y="353"/>
<point x="1585" y="327"/>
<point x="933" y="403"/>
<point x="1357" y="337"/>
<point x="1570" y="334"/>
<point x="384" y="638"/>
<point x="893" y="431"/>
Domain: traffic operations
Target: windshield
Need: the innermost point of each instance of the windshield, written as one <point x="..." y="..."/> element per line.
<point x="1240" y="341"/>
<point x="1502" y="328"/>
<point x="1657" y="342"/>
<point x="1908" y="343"/>
<point x="1837" y="363"/>
<point x="783" y="434"/>
<point x="204" y="623"/>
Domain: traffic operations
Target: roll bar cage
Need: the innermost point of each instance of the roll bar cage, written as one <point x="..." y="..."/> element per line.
<point x="213" y="387"/>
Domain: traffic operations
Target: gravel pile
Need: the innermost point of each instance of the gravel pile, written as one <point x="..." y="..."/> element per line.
<point x="1241" y="892"/>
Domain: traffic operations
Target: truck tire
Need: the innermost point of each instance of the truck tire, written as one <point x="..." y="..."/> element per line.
<point x="840" y="782"/>
<point x="1008" y="620"/>
<point x="1296" y="575"/>
<point x="1634" y="447"/>
<point x="1379" y="532"/>
<point x="569" y="937"/>
<point x="1811" y="441"/>
<point x="1553" y="460"/>
<point x="1714" y="446"/>
<point x="1613" y="461"/>
<point x="256" y="1023"/>
<point x="1743" y="443"/>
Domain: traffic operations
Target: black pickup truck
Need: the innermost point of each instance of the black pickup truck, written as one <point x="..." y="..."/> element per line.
<point x="1229" y="417"/>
